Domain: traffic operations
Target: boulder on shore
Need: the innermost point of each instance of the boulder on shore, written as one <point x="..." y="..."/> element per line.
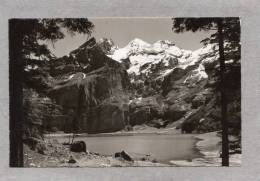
<point x="123" y="155"/>
<point x="72" y="160"/>
<point x="78" y="146"/>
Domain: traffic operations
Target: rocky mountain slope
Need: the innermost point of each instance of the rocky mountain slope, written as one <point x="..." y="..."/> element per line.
<point x="89" y="88"/>
<point x="177" y="87"/>
<point x="102" y="88"/>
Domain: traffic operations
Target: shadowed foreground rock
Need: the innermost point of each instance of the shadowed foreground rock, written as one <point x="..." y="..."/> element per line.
<point x="123" y="155"/>
<point x="72" y="160"/>
<point x="78" y="146"/>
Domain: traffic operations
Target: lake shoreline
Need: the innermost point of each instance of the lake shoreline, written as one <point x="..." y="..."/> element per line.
<point x="172" y="131"/>
<point x="207" y="145"/>
<point x="142" y="141"/>
<point x="145" y="130"/>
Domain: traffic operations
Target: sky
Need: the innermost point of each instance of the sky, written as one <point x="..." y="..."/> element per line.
<point x="123" y="30"/>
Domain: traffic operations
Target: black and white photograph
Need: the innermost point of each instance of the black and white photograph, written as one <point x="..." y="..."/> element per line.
<point x="125" y="92"/>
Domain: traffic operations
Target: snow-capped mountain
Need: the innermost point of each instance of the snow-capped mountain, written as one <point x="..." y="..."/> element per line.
<point x="160" y="58"/>
<point x="176" y="86"/>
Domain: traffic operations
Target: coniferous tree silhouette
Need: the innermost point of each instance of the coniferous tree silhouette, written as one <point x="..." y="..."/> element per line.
<point x="24" y="36"/>
<point x="227" y="31"/>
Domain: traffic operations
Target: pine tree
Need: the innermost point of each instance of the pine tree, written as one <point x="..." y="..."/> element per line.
<point x="24" y="36"/>
<point x="227" y="36"/>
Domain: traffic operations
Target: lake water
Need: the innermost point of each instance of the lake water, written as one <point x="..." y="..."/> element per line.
<point x="163" y="148"/>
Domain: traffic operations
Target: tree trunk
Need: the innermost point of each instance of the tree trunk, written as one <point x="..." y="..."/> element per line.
<point x="15" y="91"/>
<point x="224" y="121"/>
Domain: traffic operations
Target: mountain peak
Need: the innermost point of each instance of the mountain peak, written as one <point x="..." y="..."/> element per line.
<point x="168" y="42"/>
<point x="138" y="47"/>
<point x="107" y="40"/>
<point x="107" y="45"/>
<point x="138" y="42"/>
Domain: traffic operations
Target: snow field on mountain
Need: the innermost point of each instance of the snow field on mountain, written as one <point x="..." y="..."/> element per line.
<point x="144" y="56"/>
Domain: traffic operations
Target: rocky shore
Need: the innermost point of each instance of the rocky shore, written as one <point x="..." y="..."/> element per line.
<point x="55" y="154"/>
<point x="52" y="153"/>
